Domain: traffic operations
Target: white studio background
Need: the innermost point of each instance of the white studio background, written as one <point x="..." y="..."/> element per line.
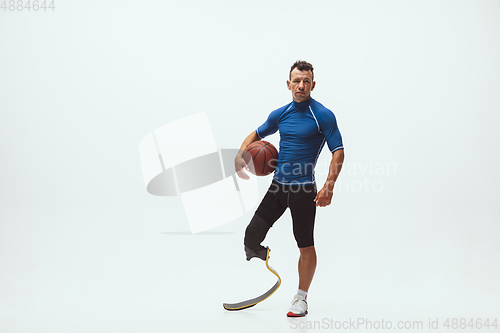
<point x="412" y="233"/>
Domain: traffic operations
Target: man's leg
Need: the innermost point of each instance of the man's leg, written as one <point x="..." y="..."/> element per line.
<point x="269" y="210"/>
<point x="255" y="233"/>
<point x="307" y="267"/>
<point x="303" y="209"/>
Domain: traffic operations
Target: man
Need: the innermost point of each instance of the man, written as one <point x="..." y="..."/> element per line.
<point x="304" y="126"/>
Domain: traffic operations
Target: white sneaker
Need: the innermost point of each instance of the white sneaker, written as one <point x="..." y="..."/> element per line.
<point x="298" y="308"/>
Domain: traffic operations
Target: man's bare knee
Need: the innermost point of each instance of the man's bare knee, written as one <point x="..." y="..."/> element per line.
<point x="307" y="251"/>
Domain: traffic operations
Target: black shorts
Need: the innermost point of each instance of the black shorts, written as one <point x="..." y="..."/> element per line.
<point x="300" y="200"/>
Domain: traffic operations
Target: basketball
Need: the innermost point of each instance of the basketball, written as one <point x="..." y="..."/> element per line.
<point x="261" y="157"/>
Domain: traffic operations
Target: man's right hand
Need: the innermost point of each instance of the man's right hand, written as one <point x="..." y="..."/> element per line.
<point x="239" y="165"/>
<point x="239" y="162"/>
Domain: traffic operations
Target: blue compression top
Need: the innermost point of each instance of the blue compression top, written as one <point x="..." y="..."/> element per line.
<point x="304" y="127"/>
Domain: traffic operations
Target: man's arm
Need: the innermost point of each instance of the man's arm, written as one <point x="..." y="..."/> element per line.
<point x="239" y="162"/>
<point x="324" y="196"/>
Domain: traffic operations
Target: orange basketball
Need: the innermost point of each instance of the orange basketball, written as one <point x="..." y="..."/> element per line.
<point x="261" y="157"/>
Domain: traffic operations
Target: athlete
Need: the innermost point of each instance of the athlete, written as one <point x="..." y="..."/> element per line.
<point x="304" y="126"/>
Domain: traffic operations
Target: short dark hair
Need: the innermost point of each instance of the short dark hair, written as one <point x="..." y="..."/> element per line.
<point x="302" y="65"/>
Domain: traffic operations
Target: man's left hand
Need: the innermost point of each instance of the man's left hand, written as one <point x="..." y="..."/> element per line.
<point x="324" y="196"/>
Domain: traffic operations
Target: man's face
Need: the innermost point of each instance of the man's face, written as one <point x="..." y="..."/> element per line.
<point x="301" y="85"/>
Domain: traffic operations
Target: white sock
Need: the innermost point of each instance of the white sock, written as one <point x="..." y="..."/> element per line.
<point x="302" y="293"/>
